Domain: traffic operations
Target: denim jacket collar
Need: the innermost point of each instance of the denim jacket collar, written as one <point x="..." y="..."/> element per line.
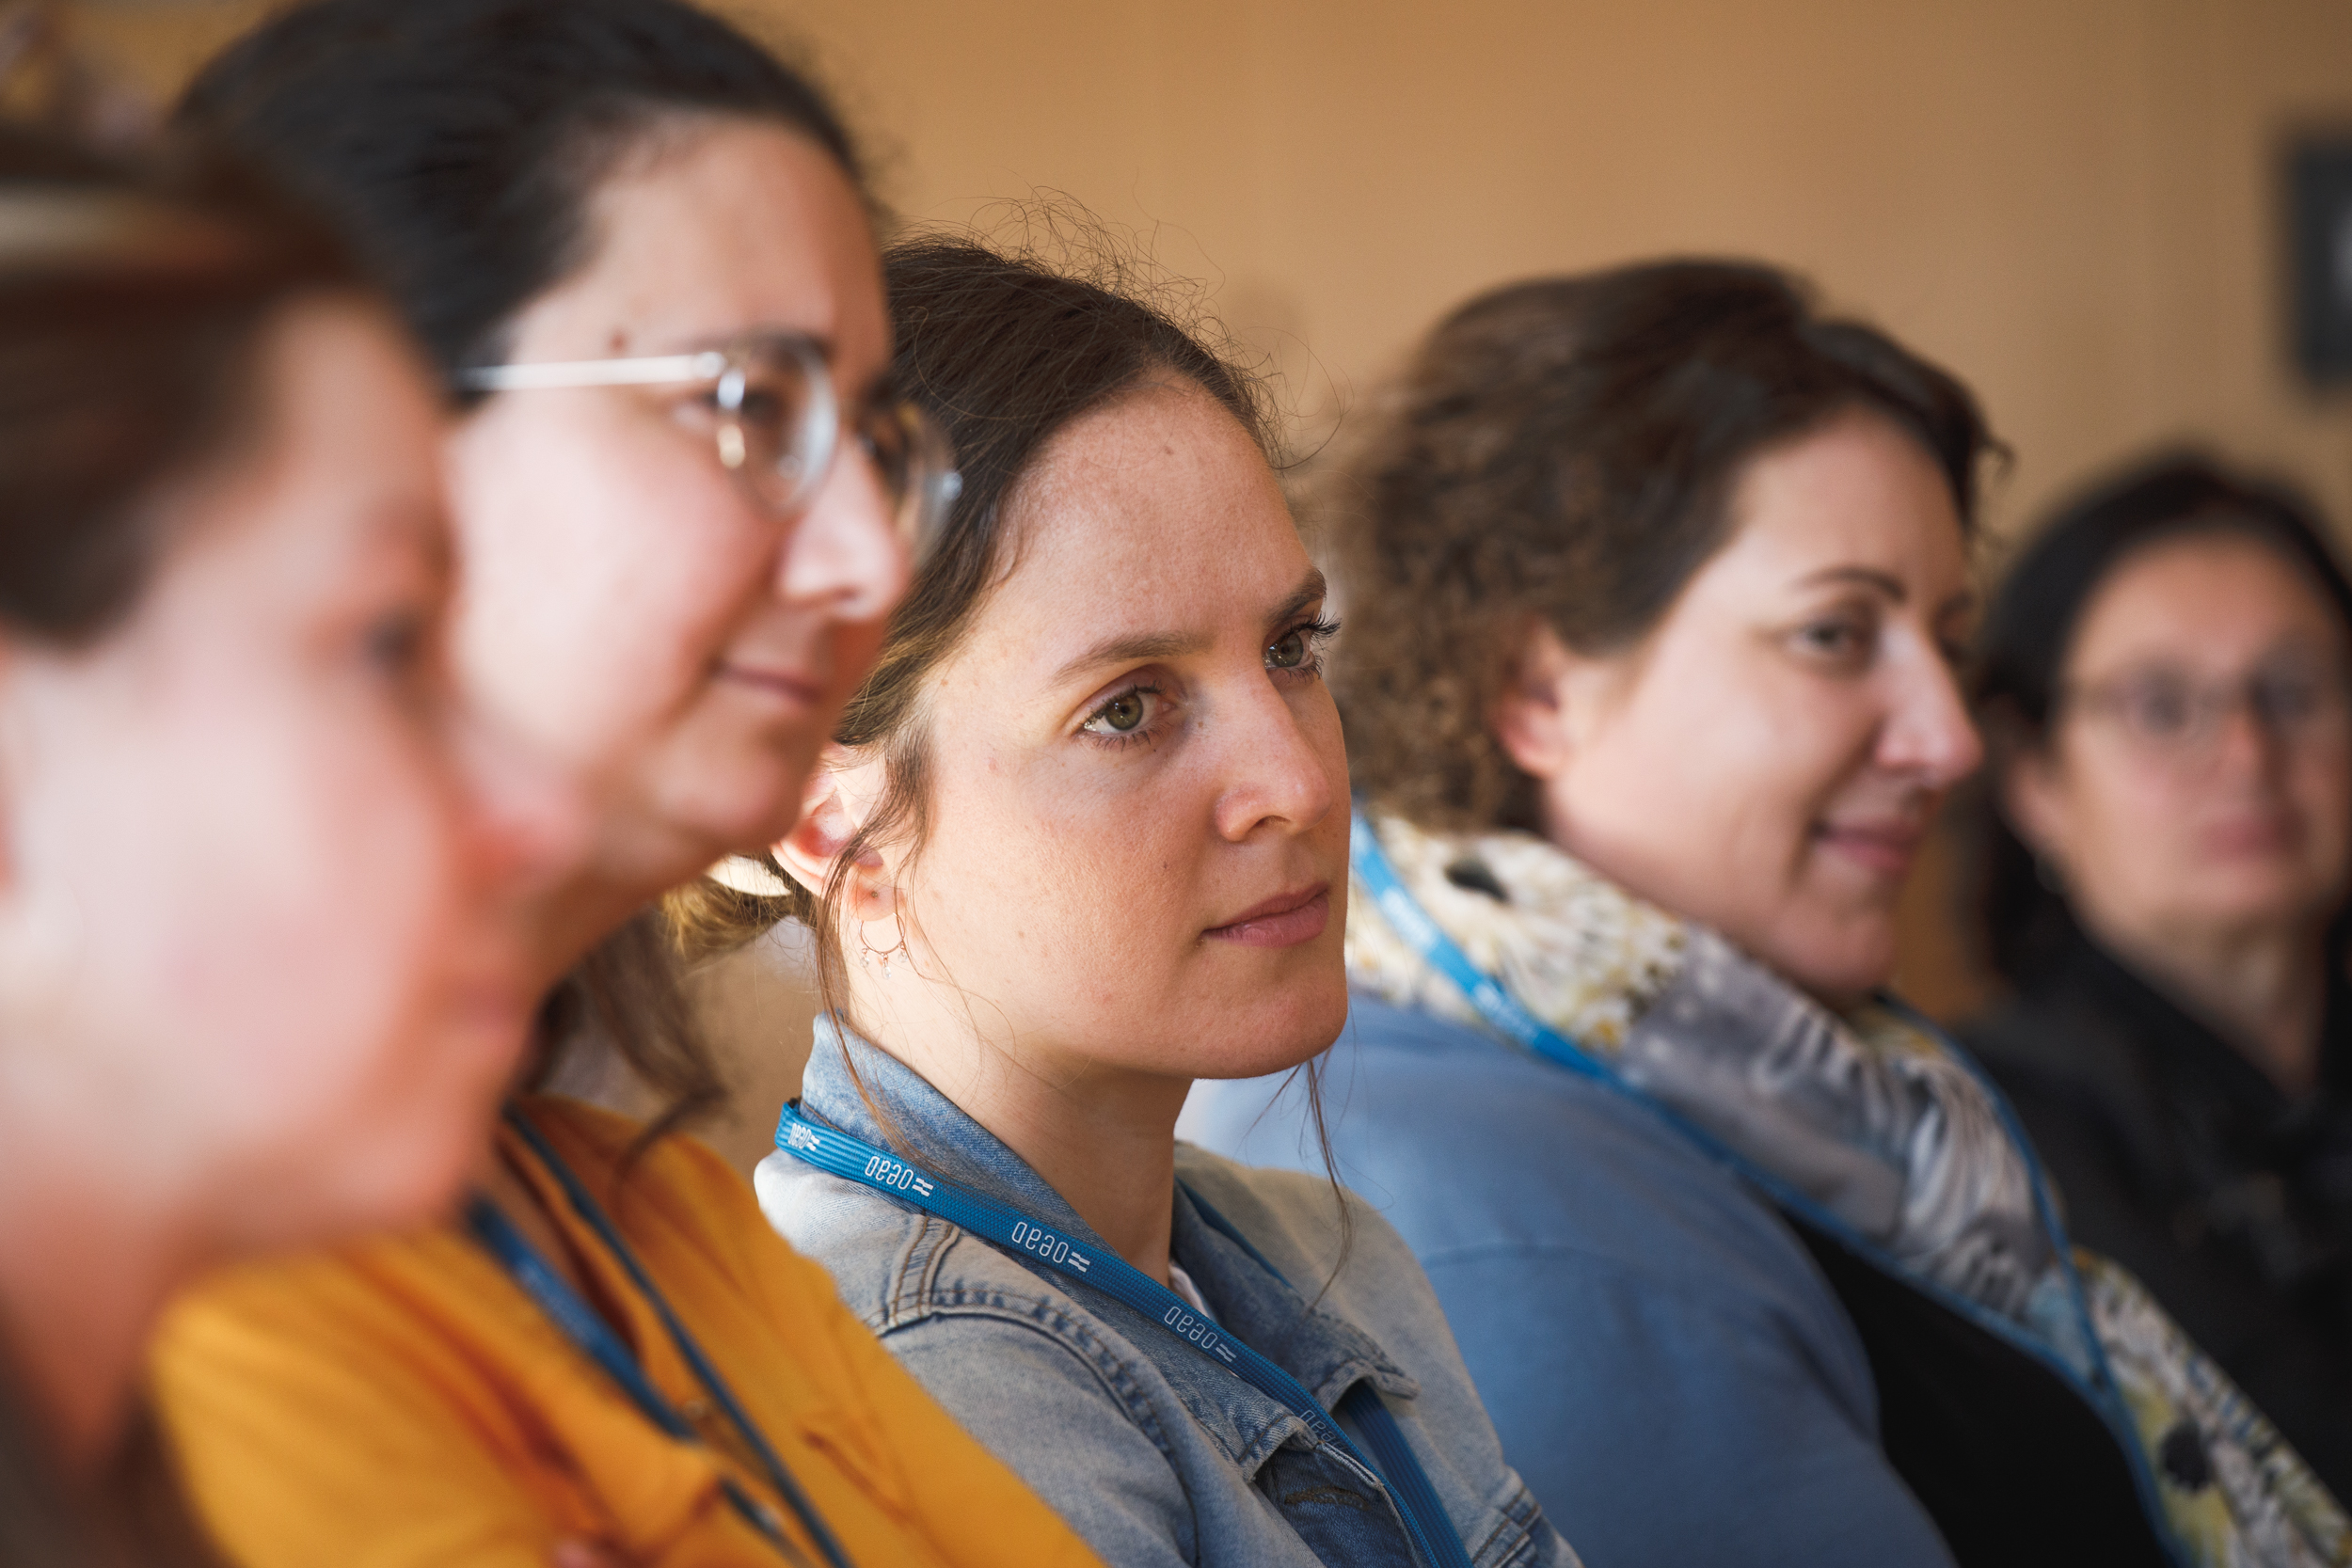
<point x="1248" y="1298"/>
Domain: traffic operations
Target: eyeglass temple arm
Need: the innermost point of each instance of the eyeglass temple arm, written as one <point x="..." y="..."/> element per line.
<point x="593" y="373"/>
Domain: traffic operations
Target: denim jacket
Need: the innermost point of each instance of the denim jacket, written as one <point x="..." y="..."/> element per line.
<point x="1155" y="1454"/>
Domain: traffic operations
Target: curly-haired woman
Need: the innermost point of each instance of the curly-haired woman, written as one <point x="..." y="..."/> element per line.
<point x="1669" y="574"/>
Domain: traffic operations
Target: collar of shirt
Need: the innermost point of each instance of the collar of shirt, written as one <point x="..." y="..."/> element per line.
<point x="1327" y="1354"/>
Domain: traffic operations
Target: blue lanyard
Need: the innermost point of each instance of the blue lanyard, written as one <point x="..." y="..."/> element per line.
<point x="1433" y="1534"/>
<point x="596" y="1338"/>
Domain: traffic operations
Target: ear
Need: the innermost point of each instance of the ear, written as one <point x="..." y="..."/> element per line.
<point x="840" y="796"/>
<point x="1529" y="716"/>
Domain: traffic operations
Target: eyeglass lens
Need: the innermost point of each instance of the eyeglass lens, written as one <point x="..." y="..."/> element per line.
<point x="781" y="426"/>
<point x="2168" y="709"/>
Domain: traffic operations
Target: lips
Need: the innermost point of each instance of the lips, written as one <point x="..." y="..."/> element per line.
<point x="789" y="685"/>
<point x="1285" y="920"/>
<point x="1886" y="848"/>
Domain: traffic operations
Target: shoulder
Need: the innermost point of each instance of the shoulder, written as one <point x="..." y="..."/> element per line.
<point x="992" y="1340"/>
<point x="690" y="1217"/>
<point x="899" y="1268"/>
<point x="1358" y="1269"/>
<point x="1469" y="1146"/>
<point x="2060" y="1053"/>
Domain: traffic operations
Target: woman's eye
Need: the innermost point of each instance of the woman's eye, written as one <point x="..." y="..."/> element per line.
<point x="395" y="644"/>
<point x="1835" y="639"/>
<point x="1125" y="714"/>
<point x="1300" y="648"/>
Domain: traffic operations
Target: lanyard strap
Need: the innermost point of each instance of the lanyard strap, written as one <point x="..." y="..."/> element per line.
<point x="1405" y="915"/>
<point x="594" y="1338"/>
<point x="1398" y="1470"/>
<point x="1504" y="1012"/>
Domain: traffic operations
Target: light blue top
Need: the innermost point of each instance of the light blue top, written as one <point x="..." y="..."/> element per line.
<point x="1665" y="1363"/>
<point x="1154" y="1453"/>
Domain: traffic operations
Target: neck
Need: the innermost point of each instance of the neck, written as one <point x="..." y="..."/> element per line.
<point x="1102" y="1136"/>
<point x="2264" y="986"/>
<point x="95" y="1236"/>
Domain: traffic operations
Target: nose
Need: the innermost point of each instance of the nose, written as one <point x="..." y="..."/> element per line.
<point x="1929" y="735"/>
<point x="1280" y="766"/>
<point x="844" y="552"/>
<point x="2245" y="745"/>
<point x="526" y="824"/>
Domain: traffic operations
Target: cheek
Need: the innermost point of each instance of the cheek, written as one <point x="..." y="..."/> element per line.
<point x="336" y="886"/>
<point x="1039" y="878"/>
<point x="596" y="592"/>
<point x="1728" y="774"/>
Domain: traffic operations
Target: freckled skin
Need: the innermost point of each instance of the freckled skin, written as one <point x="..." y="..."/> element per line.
<point x="1117" y="861"/>
<point x="1072" y="913"/>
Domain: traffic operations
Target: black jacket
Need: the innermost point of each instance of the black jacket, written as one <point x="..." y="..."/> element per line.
<point x="2178" y="1158"/>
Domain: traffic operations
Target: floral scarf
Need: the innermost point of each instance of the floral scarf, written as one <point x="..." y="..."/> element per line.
<point x="1871" y="1120"/>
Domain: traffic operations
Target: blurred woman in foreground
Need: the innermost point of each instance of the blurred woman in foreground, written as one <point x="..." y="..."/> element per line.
<point x="684" y="493"/>
<point x="1668" y="575"/>
<point x="257" y="986"/>
<point x="2163" y="684"/>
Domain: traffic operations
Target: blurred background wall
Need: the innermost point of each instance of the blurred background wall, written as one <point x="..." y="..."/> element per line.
<point x="2078" y="205"/>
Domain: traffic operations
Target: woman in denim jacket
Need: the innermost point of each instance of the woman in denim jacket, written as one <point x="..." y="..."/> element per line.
<point x="1084" y="840"/>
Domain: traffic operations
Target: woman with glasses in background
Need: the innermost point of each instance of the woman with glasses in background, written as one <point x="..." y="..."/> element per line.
<point x="2166" y="863"/>
<point x="638" y="250"/>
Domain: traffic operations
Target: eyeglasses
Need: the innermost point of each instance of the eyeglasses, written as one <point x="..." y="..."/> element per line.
<point x="777" y="422"/>
<point x="2165" y="712"/>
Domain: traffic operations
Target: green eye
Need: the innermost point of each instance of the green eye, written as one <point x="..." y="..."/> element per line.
<point x="1123" y="712"/>
<point x="1287" y="653"/>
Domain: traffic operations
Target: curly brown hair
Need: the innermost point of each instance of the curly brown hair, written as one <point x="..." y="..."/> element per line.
<point x="1562" y="453"/>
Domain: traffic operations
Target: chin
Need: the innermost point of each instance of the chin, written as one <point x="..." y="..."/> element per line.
<point x="1839" y="972"/>
<point x="744" y="809"/>
<point x="1275" y="1034"/>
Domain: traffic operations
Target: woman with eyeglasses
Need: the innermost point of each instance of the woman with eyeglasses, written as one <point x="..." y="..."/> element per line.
<point x="223" y="582"/>
<point x="685" y="498"/>
<point x="2167" y="854"/>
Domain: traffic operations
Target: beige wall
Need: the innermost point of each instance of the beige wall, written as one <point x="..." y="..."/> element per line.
<point x="2071" y="201"/>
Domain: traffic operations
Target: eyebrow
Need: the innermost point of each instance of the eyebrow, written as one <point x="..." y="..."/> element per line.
<point x="1867" y="577"/>
<point x="1169" y="645"/>
<point x="1886" y="584"/>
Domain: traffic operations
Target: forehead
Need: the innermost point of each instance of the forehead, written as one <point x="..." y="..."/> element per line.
<point x="2201" y="596"/>
<point x="711" y="225"/>
<point x="341" y="461"/>
<point x="1156" y="513"/>
<point x="1860" y="491"/>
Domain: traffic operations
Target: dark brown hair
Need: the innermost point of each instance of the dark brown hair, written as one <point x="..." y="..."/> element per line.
<point x="1562" y="453"/>
<point x="461" y="143"/>
<point x="2021" y="923"/>
<point x="132" y="301"/>
<point x="133" y="304"/>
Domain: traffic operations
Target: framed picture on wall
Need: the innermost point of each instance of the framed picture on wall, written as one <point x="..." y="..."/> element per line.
<point x="2319" y="195"/>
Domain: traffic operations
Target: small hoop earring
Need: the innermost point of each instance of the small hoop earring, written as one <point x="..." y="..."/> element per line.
<point x="867" y="951"/>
